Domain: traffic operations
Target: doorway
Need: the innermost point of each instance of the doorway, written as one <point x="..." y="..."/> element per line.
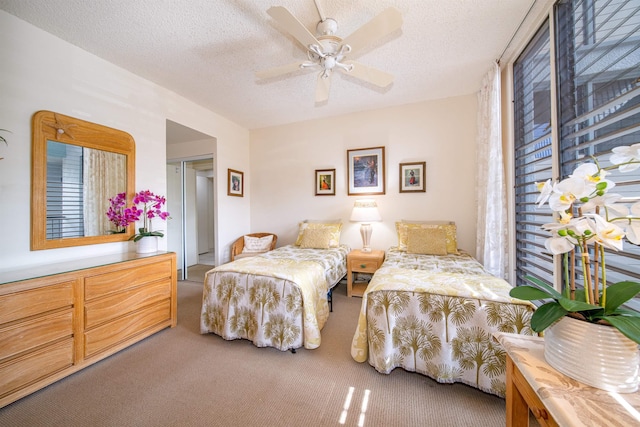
<point x="191" y="201"/>
<point x="190" y="195"/>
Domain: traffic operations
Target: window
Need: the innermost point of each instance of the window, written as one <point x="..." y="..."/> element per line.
<point x="533" y="155"/>
<point x="65" y="217"/>
<point x="598" y="102"/>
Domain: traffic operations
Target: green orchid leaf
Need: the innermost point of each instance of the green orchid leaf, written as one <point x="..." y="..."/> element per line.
<point x="528" y="293"/>
<point x="576" y="305"/>
<point x="580" y="295"/>
<point x="545" y="287"/>
<point x="619" y="293"/>
<point x="628" y="325"/>
<point x="623" y="312"/>
<point x="546" y="315"/>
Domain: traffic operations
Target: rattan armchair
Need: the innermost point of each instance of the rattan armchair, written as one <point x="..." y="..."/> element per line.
<point x="238" y="245"/>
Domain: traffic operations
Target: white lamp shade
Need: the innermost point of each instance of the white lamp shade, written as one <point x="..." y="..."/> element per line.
<point x="365" y="211"/>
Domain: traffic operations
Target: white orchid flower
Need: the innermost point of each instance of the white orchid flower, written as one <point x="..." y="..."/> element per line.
<point x="629" y="220"/>
<point x="545" y="189"/>
<point x="592" y="176"/>
<point x="585" y="226"/>
<point x="608" y="234"/>
<point x="561" y="240"/>
<point x="607" y="200"/>
<point x="626" y="154"/>
<point x="558" y="245"/>
<point x="566" y="192"/>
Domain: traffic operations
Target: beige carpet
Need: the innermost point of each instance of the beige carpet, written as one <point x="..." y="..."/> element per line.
<point x="181" y="378"/>
<point x="196" y="272"/>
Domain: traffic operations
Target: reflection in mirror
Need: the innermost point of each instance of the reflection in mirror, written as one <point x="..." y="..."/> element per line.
<point x="76" y="167"/>
<point x="80" y="182"/>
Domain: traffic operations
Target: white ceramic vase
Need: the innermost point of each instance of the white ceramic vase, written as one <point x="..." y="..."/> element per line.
<point x="147" y="245"/>
<point x="596" y="355"/>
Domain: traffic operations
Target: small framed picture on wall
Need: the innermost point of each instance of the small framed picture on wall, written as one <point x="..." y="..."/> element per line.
<point x="325" y="182"/>
<point x="412" y="177"/>
<point x="235" y="183"/>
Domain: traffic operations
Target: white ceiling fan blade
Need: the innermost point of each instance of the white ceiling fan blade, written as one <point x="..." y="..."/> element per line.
<point x="279" y="71"/>
<point x="322" y="88"/>
<point x="383" y="24"/>
<point x="369" y="74"/>
<point x="294" y="27"/>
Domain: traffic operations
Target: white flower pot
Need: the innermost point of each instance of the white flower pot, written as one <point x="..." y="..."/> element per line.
<point x="147" y="245"/>
<point x="596" y="355"/>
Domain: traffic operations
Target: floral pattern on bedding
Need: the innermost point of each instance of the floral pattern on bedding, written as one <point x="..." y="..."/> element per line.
<point x="436" y="315"/>
<point x="277" y="299"/>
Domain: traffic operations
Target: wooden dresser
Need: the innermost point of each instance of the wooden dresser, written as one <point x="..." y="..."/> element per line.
<point x="56" y="320"/>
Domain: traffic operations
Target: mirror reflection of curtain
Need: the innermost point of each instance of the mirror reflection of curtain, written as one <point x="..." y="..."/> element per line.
<point x="104" y="176"/>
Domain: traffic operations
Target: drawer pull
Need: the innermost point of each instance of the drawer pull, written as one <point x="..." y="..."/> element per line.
<point x="363" y="265"/>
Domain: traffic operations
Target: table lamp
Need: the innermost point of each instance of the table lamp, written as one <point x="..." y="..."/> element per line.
<point x="365" y="212"/>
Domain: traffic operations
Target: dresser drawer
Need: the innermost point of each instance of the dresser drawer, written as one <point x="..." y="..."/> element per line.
<point x="363" y="266"/>
<point x="29" y="303"/>
<point x="28" y="335"/>
<point x="116" y="281"/>
<point x="38" y="365"/>
<point x="105" y="336"/>
<point x="115" y="305"/>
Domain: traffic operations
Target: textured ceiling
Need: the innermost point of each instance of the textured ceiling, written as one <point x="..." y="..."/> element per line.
<point x="209" y="50"/>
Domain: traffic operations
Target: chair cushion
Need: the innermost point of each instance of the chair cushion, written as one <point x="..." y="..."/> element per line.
<point x="256" y="244"/>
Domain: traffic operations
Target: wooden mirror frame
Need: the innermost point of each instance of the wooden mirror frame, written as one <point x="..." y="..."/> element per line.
<point x="50" y="126"/>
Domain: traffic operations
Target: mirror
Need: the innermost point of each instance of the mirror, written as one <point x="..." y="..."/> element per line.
<point x="76" y="167"/>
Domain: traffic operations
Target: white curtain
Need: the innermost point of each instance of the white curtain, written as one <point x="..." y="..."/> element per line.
<point x="105" y="175"/>
<point x="491" y="240"/>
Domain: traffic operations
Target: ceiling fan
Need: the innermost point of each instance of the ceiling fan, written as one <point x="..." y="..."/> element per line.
<point x="327" y="52"/>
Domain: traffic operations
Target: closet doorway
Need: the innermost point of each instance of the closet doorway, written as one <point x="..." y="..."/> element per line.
<point x="190" y="200"/>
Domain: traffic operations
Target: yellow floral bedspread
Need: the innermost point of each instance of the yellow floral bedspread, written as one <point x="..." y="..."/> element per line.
<point x="277" y="300"/>
<point x="436" y="315"/>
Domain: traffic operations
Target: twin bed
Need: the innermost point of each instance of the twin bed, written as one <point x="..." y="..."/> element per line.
<point x="280" y="298"/>
<point x="430" y="308"/>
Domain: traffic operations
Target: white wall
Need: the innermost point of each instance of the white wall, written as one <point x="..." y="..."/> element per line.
<point x="41" y="72"/>
<point x="442" y="133"/>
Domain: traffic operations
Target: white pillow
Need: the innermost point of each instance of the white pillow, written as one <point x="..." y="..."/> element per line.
<point x="257" y="244"/>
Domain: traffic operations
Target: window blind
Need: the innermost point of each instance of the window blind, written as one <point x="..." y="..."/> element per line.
<point x="533" y="155"/>
<point x="599" y="89"/>
<point x="65" y="216"/>
<point x="597" y="62"/>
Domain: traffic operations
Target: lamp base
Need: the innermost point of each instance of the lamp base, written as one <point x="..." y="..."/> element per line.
<point x="365" y="232"/>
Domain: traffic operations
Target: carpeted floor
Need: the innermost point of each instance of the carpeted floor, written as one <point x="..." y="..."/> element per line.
<point x="179" y="377"/>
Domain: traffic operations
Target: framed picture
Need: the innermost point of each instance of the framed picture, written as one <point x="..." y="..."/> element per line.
<point x="412" y="177"/>
<point x="235" y="183"/>
<point x="325" y="182"/>
<point x="365" y="171"/>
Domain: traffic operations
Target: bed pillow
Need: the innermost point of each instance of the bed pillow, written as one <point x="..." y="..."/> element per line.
<point x="449" y="231"/>
<point x="333" y="228"/>
<point x="256" y="244"/>
<point x="426" y="241"/>
<point x="318" y="238"/>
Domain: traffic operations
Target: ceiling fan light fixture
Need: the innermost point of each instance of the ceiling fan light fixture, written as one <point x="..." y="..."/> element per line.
<point x="327" y="51"/>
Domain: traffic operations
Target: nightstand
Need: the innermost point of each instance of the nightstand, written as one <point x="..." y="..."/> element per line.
<point x="361" y="262"/>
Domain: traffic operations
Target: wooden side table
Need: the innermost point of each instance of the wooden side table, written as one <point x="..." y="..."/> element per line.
<point x="554" y="399"/>
<point x="361" y="262"/>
